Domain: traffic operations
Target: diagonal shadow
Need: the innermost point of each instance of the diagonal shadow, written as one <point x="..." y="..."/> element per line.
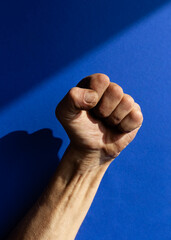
<point x="38" y="38"/>
<point x="27" y="162"/>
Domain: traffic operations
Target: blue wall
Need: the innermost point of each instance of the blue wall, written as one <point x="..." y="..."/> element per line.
<point x="45" y="49"/>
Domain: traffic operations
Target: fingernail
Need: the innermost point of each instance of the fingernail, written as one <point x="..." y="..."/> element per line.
<point x="90" y="97"/>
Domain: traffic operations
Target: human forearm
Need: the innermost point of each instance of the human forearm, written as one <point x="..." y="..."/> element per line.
<point x="100" y="120"/>
<point x="60" y="211"/>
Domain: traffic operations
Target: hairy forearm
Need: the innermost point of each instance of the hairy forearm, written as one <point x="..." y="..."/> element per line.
<point x="60" y="211"/>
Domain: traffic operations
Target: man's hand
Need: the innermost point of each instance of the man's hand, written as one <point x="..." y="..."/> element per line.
<point x="100" y="126"/>
<point x="99" y="118"/>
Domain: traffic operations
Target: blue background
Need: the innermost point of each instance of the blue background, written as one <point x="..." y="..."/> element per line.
<point x="48" y="47"/>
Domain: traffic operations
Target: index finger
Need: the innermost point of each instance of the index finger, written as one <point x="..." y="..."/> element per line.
<point x="98" y="82"/>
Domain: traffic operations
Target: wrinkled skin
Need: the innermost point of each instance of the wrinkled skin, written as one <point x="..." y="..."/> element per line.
<point x="105" y="124"/>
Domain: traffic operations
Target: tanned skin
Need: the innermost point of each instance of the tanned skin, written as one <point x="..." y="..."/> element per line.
<point x="100" y="120"/>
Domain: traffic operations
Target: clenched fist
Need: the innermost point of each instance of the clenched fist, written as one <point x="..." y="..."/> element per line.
<point x="100" y="121"/>
<point x="99" y="118"/>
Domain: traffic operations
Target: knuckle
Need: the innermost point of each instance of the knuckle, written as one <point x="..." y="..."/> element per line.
<point x="102" y="77"/>
<point x="73" y="97"/>
<point x="72" y="92"/>
<point x="101" y="112"/>
<point x="137" y="106"/>
<point x="141" y="117"/>
<point x="116" y="90"/>
<point x="136" y="116"/>
<point x="99" y="79"/>
<point x="115" y="119"/>
<point x="127" y="101"/>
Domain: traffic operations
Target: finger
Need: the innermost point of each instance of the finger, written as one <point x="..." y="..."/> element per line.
<point x="109" y="101"/>
<point x="97" y="82"/>
<point x="132" y="121"/>
<point x="76" y="99"/>
<point x="123" y="108"/>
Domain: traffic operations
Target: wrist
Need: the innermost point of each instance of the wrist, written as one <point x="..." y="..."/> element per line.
<point x="86" y="159"/>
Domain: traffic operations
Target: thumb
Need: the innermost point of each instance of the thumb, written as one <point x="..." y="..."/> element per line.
<point x="75" y="100"/>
